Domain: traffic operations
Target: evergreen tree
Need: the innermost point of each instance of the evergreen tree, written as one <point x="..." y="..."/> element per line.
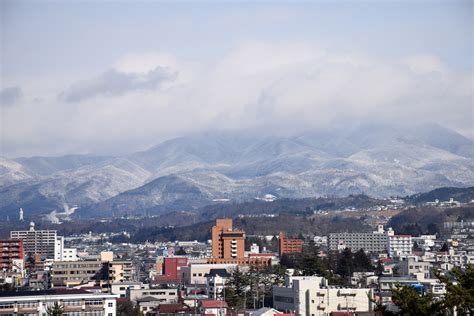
<point x="55" y="310"/>
<point x="444" y="248"/>
<point x="236" y="289"/>
<point x="411" y="303"/>
<point x="460" y="294"/>
<point x="362" y="262"/>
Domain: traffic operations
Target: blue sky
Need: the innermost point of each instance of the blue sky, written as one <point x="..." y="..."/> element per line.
<point x="181" y="67"/>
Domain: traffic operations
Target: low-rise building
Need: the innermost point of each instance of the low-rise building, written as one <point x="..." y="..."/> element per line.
<point x="161" y="295"/>
<point x="73" y="301"/>
<point x="121" y="288"/>
<point x="212" y="307"/>
<point x="411" y="266"/>
<point x="311" y="295"/>
<point x="121" y="271"/>
<point x="196" y="274"/>
<point x="216" y="280"/>
<point x="70" y="273"/>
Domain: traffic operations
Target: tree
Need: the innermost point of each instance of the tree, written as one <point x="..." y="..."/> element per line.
<point x="460" y="294"/>
<point x="416" y="247"/>
<point x="181" y="252"/>
<point x="125" y="308"/>
<point x="444" y="248"/>
<point x="345" y="265"/>
<point x="236" y="289"/>
<point x="55" y="310"/>
<point x="362" y="262"/>
<point x="411" y="303"/>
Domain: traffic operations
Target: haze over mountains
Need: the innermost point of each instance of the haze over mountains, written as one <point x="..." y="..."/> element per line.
<point x="190" y="172"/>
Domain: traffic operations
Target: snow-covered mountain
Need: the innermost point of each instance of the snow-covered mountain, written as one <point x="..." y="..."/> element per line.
<point x="189" y="172"/>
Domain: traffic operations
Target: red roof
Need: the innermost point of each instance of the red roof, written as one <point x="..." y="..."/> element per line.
<point x="172" y="308"/>
<point x="213" y="304"/>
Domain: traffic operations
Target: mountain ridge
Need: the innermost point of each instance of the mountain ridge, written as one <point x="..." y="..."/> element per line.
<point x="189" y="172"/>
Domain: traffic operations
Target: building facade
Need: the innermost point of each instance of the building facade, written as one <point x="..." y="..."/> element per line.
<point x="40" y="242"/>
<point x="10" y="251"/>
<point x="311" y="296"/>
<point x="288" y="245"/>
<point x="74" y="302"/>
<point x="227" y="242"/>
<point x="370" y="242"/>
<point x="70" y="273"/>
<point x="399" y="245"/>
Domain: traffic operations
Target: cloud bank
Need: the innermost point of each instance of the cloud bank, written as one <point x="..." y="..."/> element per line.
<point x="113" y="83"/>
<point x="283" y="87"/>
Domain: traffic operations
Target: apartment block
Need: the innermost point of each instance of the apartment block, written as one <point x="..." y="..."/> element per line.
<point x="40" y="242"/>
<point x="70" y="273"/>
<point x="399" y="245"/>
<point x="121" y="271"/>
<point x="288" y="245"/>
<point x="10" y="251"/>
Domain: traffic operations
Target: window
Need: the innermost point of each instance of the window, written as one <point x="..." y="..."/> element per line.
<point x="110" y="304"/>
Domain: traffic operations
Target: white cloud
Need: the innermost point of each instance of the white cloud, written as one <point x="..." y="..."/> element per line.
<point x="272" y="86"/>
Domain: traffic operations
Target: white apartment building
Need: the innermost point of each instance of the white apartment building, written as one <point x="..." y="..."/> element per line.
<point x="41" y="242"/>
<point x="399" y="245"/>
<point x="371" y="242"/>
<point x="216" y="280"/>
<point x="69" y="254"/>
<point x="311" y="296"/>
<point x="74" y="301"/>
<point x="412" y="266"/>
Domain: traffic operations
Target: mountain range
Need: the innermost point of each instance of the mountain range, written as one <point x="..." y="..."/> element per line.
<point x="190" y="172"/>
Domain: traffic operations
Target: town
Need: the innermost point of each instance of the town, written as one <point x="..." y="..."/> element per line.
<point x="233" y="273"/>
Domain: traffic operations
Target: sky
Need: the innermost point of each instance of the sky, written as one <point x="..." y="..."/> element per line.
<point x="113" y="77"/>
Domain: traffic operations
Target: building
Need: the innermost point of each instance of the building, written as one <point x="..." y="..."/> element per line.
<point x="371" y="242"/>
<point x="399" y="245"/>
<point x="264" y="311"/>
<point x="10" y="252"/>
<point x="417" y="281"/>
<point x="168" y="295"/>
<point x="70" y="273"/>
<point x="412" y="266"/>
<point x="121" y="288"/>
<point x="308" y="296"/>
<point x="196" y="274"/>
<point x="216" y="280"/>
<point x="288" y="245"/>
<point x="121" y="271"/>
<point x="227" y="242"/>
<point x="40" y="242"/>
<point x="171" y="270"/>
<point x="74" y="302"/>
<point x="69" y="254"/>
<point x="212" y="307"/>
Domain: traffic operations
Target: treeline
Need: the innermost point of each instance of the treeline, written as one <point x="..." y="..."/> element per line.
<point x="428" y="219"/>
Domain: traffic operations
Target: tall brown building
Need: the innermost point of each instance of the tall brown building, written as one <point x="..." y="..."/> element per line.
<point x="226" y="241"/>
<point x="289" y="245"/>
